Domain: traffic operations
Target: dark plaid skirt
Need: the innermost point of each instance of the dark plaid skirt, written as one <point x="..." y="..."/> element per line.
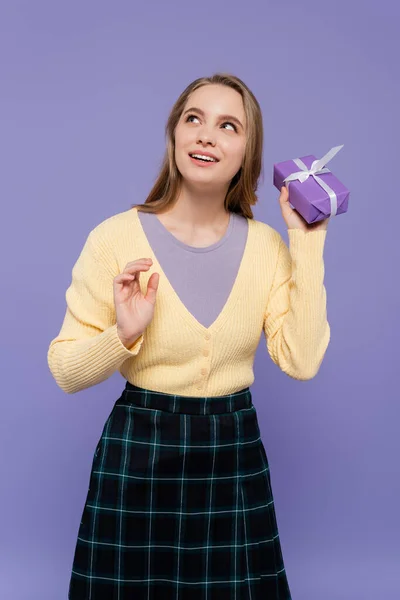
<point x="179" y="505"/>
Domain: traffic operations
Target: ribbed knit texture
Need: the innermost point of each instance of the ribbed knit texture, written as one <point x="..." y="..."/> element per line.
<point x="278" y="290"/>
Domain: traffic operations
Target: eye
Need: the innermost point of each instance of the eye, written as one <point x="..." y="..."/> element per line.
<point x="191" y="117"/>
<point x="231" y="124"/>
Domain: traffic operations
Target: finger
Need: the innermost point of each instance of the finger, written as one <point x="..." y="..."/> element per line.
<point x="284" y="196"/>
<point x="139" y="260"/>
<point x="135" y="268"/>
<point x="124" y="277"/>
<point x="152" y="287"/>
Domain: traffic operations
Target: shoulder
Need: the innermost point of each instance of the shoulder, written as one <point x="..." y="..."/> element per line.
<point x="114" y="223"/>
<point x="107" y="240"/>
<point x="112" y="229"/>
<point x="266" y="234"/>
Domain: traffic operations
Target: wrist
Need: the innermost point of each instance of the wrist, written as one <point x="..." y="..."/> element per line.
<point x="129" y="342"/>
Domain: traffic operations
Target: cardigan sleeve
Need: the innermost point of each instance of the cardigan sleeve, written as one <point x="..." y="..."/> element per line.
<point x="295" y="323"/>
<point x="87" y="349"/>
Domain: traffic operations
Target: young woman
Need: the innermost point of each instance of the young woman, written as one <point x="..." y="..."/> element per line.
<point x="175" y="294"/>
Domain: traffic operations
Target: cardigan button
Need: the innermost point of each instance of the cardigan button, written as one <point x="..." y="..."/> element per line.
<point x="206" y="352"/>
<point x="204" y="371"/>
<point x="207" y="336"/>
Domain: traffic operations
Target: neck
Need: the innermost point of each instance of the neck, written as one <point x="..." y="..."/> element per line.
<point x="199" y="206"/>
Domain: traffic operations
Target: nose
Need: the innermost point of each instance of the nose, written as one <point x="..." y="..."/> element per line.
<point x="206" y="137"/>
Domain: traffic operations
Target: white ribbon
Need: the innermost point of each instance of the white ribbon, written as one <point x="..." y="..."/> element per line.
<point x="317" y="168"/>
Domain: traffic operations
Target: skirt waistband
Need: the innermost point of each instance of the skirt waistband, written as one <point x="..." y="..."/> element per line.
<point x="194" y="405"/>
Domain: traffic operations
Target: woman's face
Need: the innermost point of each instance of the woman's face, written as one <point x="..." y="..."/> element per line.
<point x="212" y="126"/>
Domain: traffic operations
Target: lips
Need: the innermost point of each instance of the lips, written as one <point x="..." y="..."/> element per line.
<point x="205" y="157"/>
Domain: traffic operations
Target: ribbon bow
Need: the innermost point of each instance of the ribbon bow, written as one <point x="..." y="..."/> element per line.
<point x="317" y="168"/>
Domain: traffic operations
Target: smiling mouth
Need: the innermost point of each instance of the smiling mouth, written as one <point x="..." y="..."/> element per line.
<point x="203" y="158"/>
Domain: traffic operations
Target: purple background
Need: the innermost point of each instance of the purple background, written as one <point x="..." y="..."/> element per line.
<point x="86" y="88"/>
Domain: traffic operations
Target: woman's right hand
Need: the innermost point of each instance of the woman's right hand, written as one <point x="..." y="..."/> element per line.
<point x="134" y="311"/>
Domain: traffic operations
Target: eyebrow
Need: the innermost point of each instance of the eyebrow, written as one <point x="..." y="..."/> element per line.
<point x="224" y="117"/>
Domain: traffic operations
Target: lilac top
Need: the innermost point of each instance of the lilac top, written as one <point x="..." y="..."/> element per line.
<point x="202" y="277"/>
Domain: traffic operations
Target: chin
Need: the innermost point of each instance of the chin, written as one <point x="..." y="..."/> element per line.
<point x="201" y="180"/>
<point x="195" y="174"/>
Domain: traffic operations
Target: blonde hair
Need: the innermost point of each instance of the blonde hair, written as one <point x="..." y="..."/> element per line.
<point x="241" y="193"/>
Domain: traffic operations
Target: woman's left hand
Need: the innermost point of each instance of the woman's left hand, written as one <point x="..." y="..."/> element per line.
<point x="293" y="219"/>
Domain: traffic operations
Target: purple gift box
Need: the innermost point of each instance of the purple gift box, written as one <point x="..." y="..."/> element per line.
<point x="315" y="191"/>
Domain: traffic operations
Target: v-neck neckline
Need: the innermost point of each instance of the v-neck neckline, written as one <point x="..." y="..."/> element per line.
<point x="174" y="297"/>
<point x="196" y="249"/>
